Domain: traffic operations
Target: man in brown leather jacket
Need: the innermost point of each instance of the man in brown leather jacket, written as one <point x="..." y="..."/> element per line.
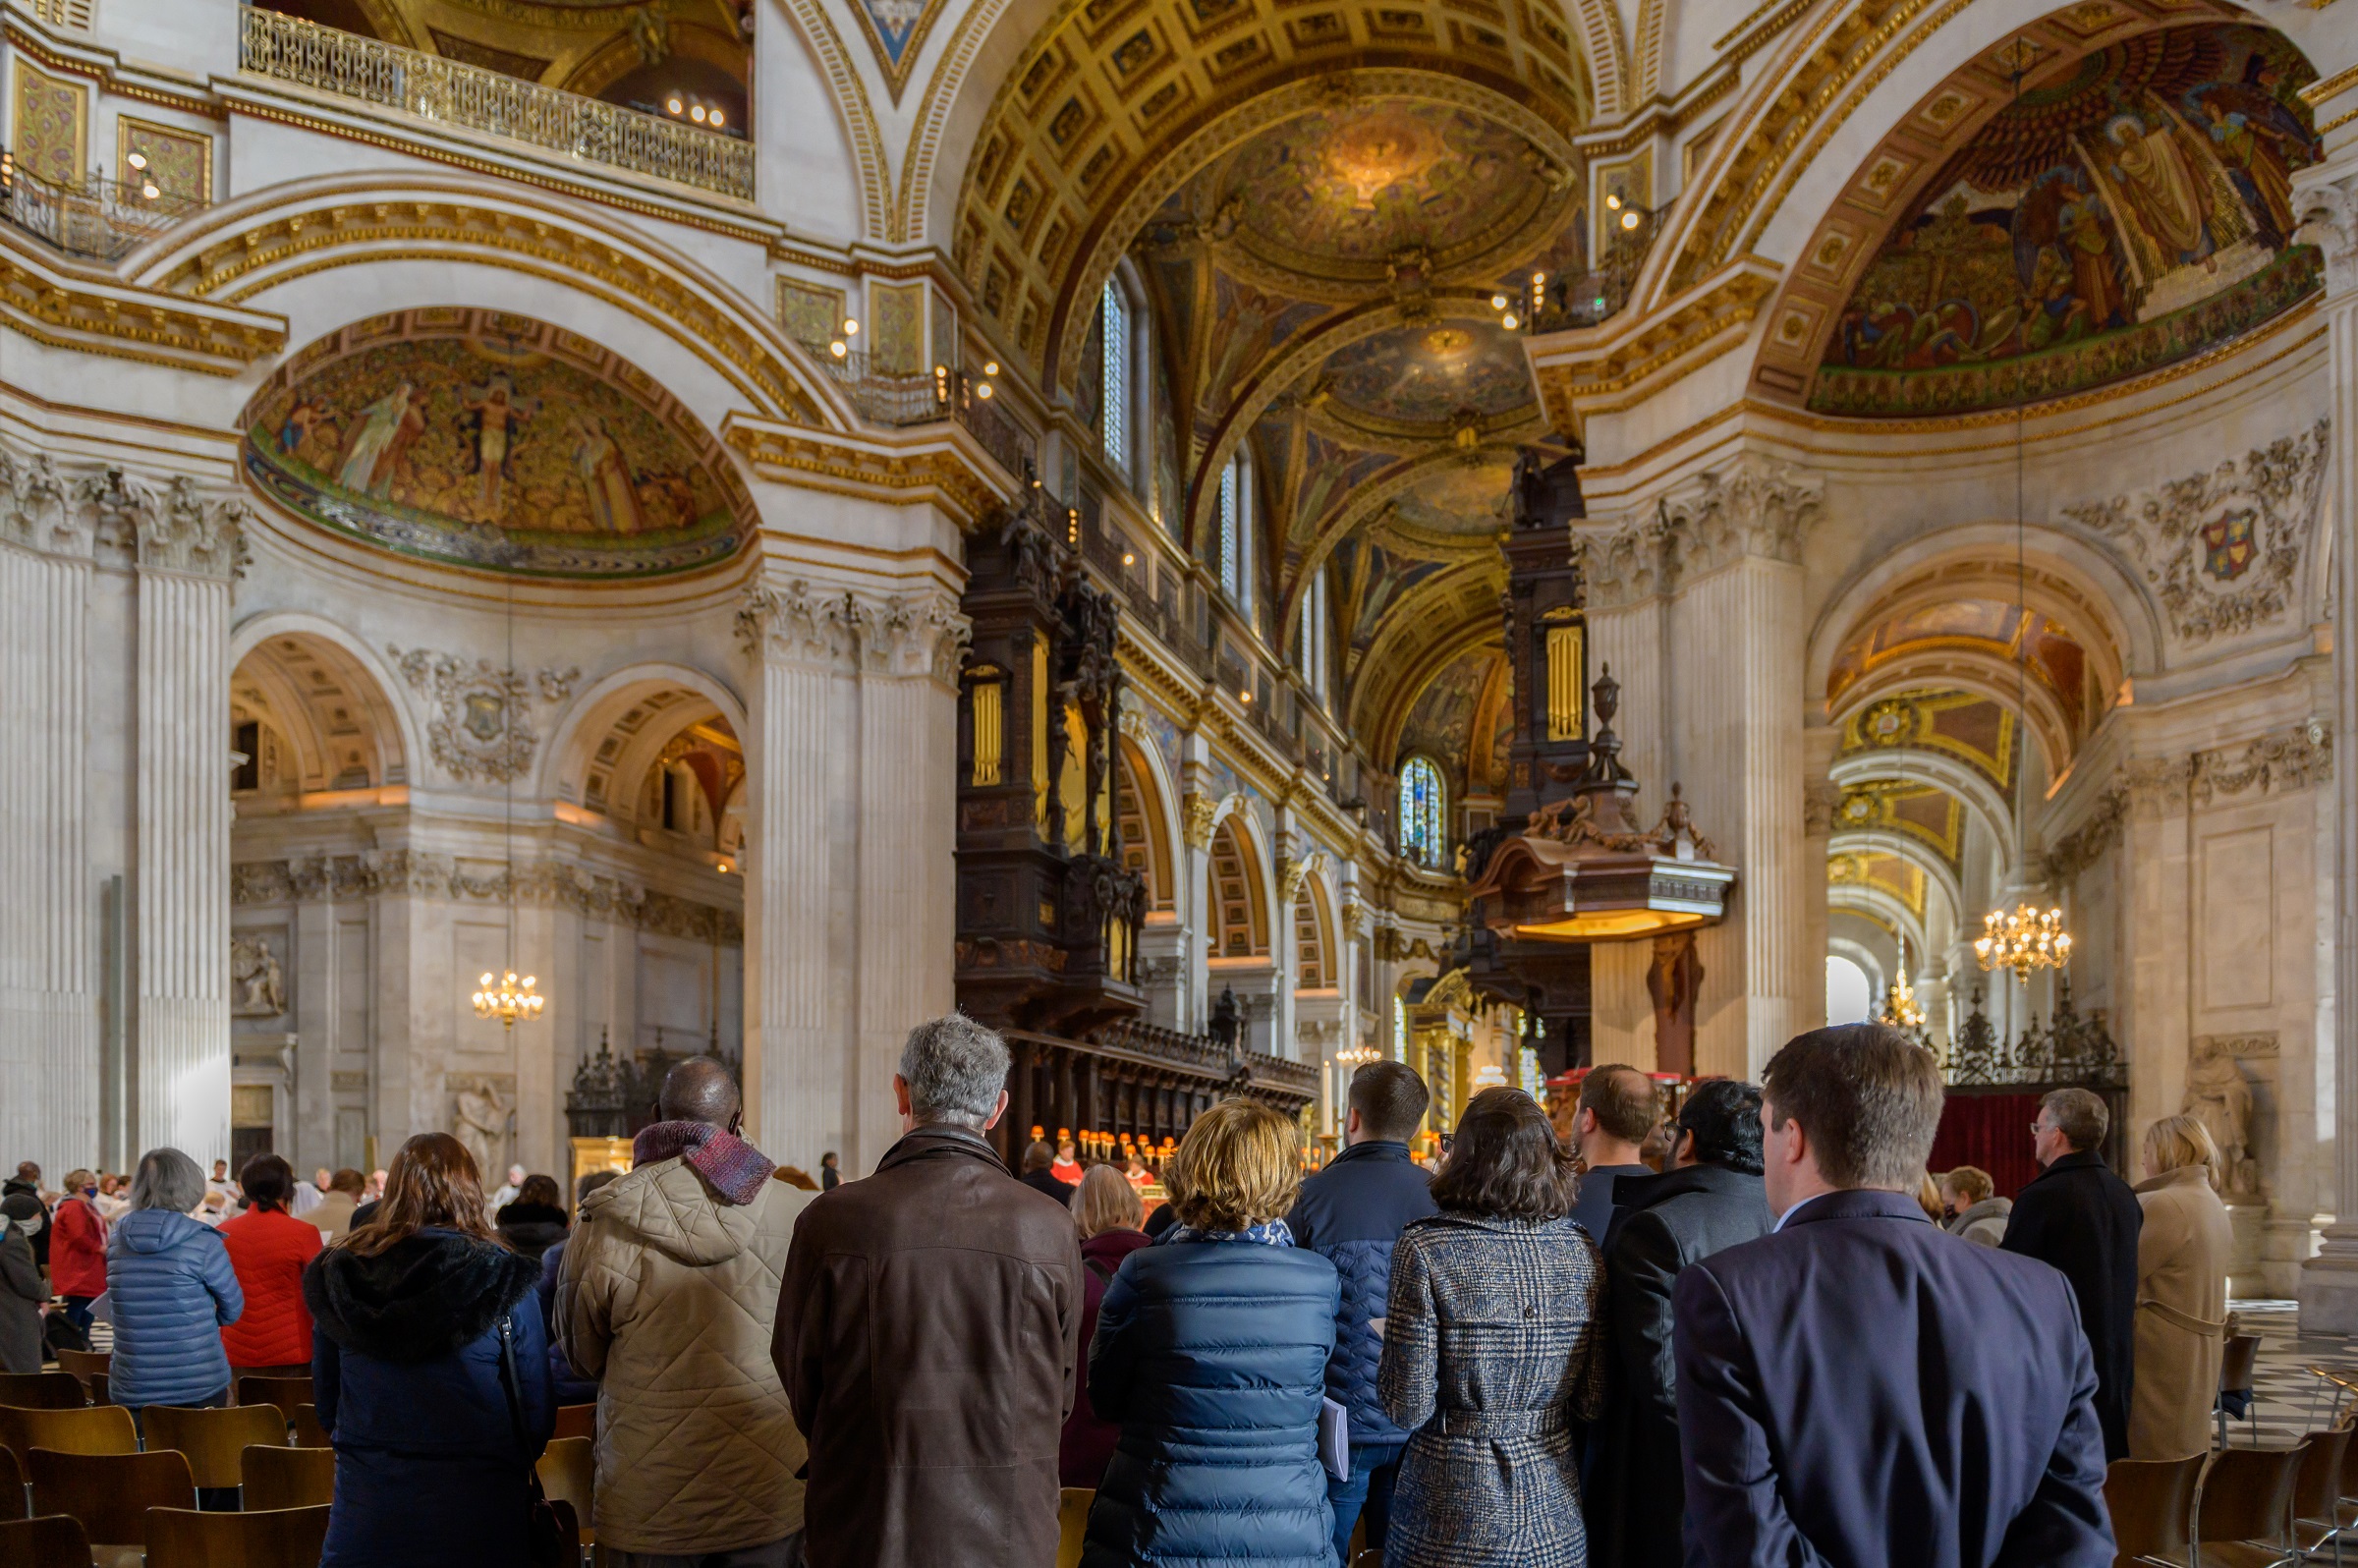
<point x="927" y="1330"/>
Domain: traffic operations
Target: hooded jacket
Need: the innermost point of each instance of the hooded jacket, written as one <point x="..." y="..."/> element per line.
<point x="1983" y="1223"/>
<point x="531" y="1228"/>
<point x="405" y="1354"/>
<point x="170" y="1288"/>
<point x="667" y="1295"/>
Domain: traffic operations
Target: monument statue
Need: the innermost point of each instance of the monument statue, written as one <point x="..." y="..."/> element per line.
<point x="2219" y="1097"/>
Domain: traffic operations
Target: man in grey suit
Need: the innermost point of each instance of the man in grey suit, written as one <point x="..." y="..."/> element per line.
<point x="1860" y="1389"/>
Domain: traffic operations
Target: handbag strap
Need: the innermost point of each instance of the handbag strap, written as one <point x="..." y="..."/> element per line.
<point x="510" y="1386"/>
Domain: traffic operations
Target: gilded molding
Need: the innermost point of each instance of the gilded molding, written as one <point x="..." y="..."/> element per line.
<point x="1610" y="369"/>
<point x="940" y="469"/>
<point x="1198" y="813"/>
<point x="93" y="313"/>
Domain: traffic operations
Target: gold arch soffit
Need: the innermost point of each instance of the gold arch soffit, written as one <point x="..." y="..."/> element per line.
<point x="1368" y="502"/>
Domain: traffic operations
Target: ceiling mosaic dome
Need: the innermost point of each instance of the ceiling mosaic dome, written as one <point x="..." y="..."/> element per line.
<point x="1430" y="375"/>
<point x="1335" y="193"/>
<point x="2128" y="213"/>
<point x="493" y="441"/>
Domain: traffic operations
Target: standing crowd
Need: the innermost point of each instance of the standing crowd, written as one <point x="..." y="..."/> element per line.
<point x="1540" y="1356"/>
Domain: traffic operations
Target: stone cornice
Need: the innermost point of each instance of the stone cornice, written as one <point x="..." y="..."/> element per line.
<point x="1629" y="357"/>
<point x="940" y="463"/>
<point x="416" y="873"/>
<point x="66" y="307"/>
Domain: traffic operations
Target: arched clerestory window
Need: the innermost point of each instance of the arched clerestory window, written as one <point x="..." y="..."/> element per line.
<point x="1423" y="812"/>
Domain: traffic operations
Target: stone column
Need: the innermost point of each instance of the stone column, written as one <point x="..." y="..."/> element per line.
<point x="1198" y="811"/>
<point x="189" y="550"/>
<point x="2327" y="196"/>
<point x="49" y="917"/>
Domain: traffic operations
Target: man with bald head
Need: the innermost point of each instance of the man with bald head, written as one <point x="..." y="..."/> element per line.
<point x="668" y="1296"/>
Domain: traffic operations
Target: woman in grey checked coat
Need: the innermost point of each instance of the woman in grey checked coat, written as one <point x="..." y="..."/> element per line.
<point x="1491" y="1350"/>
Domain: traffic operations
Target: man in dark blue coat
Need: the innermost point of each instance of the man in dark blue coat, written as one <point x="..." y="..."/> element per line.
<point x="2084" y="1220"/>
<point x="1860" y="1389"/>
<point x="1352" y="1212"/>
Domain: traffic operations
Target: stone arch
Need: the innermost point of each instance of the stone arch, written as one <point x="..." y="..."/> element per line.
<point x="1149" y="828"/>
<point x="1239" y="893"/>
<point x="327" y="696"/>
<point x="605" y="740"/>
<point x="1980" y="797"/>
<point x="1317" y="936"/>
<point x="1459" y="611"/>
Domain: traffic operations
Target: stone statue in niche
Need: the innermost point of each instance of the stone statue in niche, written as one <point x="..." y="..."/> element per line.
<point x="479" y="1120"/>
<point x="2220" y="1098"/>
<point x="257" y="987"/>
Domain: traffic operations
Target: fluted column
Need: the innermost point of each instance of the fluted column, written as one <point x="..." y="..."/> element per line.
<point x="188" y="549"/>
<point x="2327" y="196"/>
<point x="48" y="930"/>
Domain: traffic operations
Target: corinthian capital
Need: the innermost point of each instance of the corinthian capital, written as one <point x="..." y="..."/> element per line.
<point x="917" y="634"/>
<point x="2328" y="212"/>
<point x="1751" y="506"/>
<point x="795" y="623"/>
<point x="185" y="530"/>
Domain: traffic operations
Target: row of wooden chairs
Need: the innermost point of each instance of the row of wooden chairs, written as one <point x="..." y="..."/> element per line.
<point x="2235" y="1507"/>
<point x="175" y="1537"/>
<point x="72" y="1387"/>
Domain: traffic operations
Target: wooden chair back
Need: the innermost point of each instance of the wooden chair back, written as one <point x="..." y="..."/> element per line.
<point x="12" y="1485"/>
<point x="95" y="1430"/>
<point x="215" y="1440"/>
<point x="577" y="1420"/>
<point x="55" y="1391"/>
<point x="85" y="1364"/>
<point x="284" y="1392"/>
<point x="288" y="1478"/>
<point x="110" y="1493"/>
<point x="569" y="1474"/>
<point x="53" y="1540"/>
<point x="276" y="1537"/>
<point x="2236" y="1364"/>
<point x="308" y="1434"/>
<point x="1072" y="1523"/>
<point x="2317" y="1487"/>
<point x="2246" y="1494"/>
<point x="2151" y="1503"/>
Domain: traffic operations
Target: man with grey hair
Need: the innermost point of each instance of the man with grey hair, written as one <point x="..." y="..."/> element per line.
<point x="928" y="1330"/>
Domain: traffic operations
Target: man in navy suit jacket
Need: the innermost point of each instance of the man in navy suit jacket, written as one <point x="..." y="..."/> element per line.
<point x="1859" y="1389"/>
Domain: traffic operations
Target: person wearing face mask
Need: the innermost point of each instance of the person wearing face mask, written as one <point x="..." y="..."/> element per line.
<point x="22" y="1289"/>
<point x="78" y="1248"/>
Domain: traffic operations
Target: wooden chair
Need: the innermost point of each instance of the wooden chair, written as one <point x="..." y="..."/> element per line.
<point x="308" y="1434"/>
<point x="2317" y="1493"/>
<point x="110" y="1493"/>
<point x="577" y="1420"/>
<point x="12" y="1485"/>
<point x="288" y="1478"/>
<point x="284" y="1392"/>
<point x="85" y="1364"/>
<point x="2243" y="1508"/>
<point x="569" y="1474"/>
<point x="55" y="1391"/>
<point x="276" y="1537"/>
<point x="2235" y="1366"/>
<point x="2151" y="1503"/>
<point x="215" y="1440"/>
<point x="1072" y="1523"/>
<point x="53" y="1540"/>
<point x="97" y="1430"/>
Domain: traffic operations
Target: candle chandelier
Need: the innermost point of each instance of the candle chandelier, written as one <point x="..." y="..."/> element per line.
<point x="1357" y="1056"/>
<point x="1899" y="1002"/>
<point x="511" y="1000"/>
<point x="2024" y="938"/>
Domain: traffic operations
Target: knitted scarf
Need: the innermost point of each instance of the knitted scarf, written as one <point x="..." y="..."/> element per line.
<point x="1269" y="1233"/>
<point x="735" y="1168"/>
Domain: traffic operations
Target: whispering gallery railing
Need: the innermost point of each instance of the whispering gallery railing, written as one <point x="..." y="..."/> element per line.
<point x="328" y="60"/>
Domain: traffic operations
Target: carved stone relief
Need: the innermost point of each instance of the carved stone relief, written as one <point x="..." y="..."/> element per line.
<point x="2219" y="1095"/>
<point x="1754" y="506"/>
<point x="2221" y="548"/>
<point x="177" y="527"/>
<point x="2149" y="787"/>
<point x="912" y="635"/>
<point x="257" y="986"/>
<point x="416" y="873"/>
<point x="483" y="729"/>
<point x="483" y="1109"/>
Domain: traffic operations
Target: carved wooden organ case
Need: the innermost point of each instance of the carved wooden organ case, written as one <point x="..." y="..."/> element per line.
<point x="1047" y="916"/>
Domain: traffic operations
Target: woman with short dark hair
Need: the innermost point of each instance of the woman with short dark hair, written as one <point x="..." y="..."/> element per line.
<point x="430" y="1367"/>
<point x="270" y="1248"/>
<point x="1491" y="1352"/>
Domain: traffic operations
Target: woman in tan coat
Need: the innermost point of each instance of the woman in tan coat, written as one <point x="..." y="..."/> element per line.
<point x="2181" y="1292"/>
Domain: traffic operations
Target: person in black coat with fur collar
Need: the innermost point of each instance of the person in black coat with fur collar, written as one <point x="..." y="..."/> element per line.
<point x="429" y="1367"/>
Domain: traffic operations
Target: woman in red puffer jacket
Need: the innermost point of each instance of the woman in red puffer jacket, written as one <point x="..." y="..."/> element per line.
<point x="78" y="1248"/>
<point x="1107" y="1211"/>
<point x="270" y="1248"/>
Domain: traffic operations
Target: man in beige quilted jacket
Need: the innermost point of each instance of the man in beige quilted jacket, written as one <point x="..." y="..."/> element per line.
<point x="668" y="1297"/>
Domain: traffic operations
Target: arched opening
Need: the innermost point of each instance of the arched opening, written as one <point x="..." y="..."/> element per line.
<point x="1237" y="905"/>
<point x="1849" y="999"/>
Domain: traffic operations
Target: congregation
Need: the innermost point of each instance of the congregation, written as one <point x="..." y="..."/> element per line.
<point x="1546" y="1353"/>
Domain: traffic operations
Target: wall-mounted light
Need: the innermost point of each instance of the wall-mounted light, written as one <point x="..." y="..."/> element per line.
<point x="137" y="160"/>
<point x="1498" y="301"/>
<point x="990" y="367"/>
<point x="675" y="106"/>
<point x="983" y="390"/>
<point x="839" y="348"/>
<point x="1129" y="559"/>
<point x="1629" y="220"/>
<point x="1613" y="203"/>
<point x="1507" y="321"/>
<point x="851" y="328"/>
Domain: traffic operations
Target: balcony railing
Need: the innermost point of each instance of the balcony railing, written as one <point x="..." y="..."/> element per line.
<point x="886" y="397"/>
<point x="99" y="219"/>
<point x="328" y="60"/>
<point x="1584" y="302"/>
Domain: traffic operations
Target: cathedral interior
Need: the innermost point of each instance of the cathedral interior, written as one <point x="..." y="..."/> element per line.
<point x="1228" y="539"/>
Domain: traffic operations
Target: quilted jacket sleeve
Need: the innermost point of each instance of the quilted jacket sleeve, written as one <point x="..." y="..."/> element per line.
<point x="1409" y="1376"/>
<point x="220" y="1278"/>
<point x="584" y="1314"/>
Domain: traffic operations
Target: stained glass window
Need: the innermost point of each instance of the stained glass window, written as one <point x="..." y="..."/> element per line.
<point x="1236" y="533"/>
<point x="1423" y="812"/>
<point x="1113" y="320"/>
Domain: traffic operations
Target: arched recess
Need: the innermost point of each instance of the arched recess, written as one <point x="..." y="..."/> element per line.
<point x="286" y="247"/>
<point x="1980" y="795"/>
<point x="1318" y="953"/>
<point x="1943" y="891"/>
<point x="1239" y="892"/>
<point x="1150" y="835"/>
<point x="609" y="735"/>
<point x="1456" y="609"/>
<point x="323" y="714"/>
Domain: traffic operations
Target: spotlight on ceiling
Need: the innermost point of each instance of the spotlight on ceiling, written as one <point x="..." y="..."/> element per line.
<point x="137" y="160"/>
<point x="983" y="390"/>
<point x="1129" y="559"/>
<point x="990" y="367"/>
<point x="851" y="328"/>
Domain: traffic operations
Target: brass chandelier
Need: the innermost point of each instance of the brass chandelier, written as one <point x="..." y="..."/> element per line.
<point x="511" y="1000"/>
<point x="1900" y="1007"/>
<point x="2022" y="939"/>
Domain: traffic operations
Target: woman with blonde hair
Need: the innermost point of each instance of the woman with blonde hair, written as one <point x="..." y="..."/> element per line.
<point x="1210" y="1356"/>
<point x="1108" y="1213"/>
<point x="2182" y="1252"/>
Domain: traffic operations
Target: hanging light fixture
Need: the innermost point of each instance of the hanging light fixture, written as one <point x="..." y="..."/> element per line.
<point x="2024" y="938"/>
<point x="1899" y="1001"/>
<point x="1357" y="1056"/>
<point x="511" y="1000"/>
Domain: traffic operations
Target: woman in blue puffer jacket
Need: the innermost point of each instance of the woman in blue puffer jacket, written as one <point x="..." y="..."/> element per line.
<point x="169" y="1289"/>
<point x="1211" y="1354"/>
